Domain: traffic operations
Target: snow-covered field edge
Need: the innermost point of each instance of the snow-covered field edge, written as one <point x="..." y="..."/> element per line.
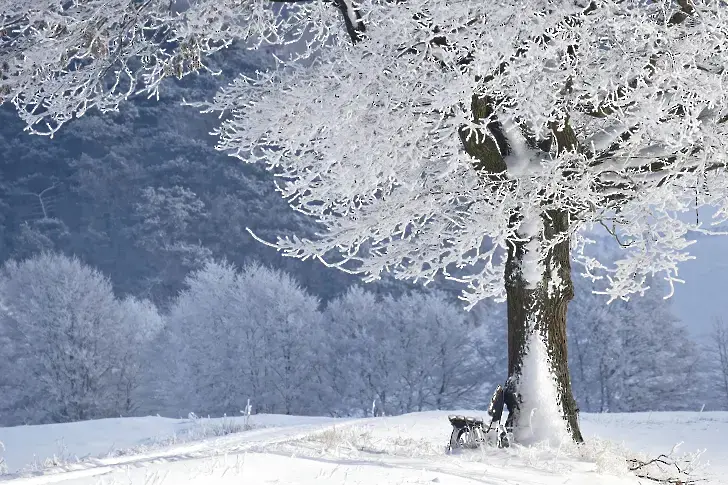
<point x="81" y="452"/>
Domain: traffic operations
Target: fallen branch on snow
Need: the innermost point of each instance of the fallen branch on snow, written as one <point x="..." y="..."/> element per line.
<point x="668" y="469"/>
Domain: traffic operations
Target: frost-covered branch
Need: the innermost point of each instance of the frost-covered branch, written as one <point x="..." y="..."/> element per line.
<point x="421" y="148"/>
<point x="667" y="468"/>
<point x="60" y="58"/>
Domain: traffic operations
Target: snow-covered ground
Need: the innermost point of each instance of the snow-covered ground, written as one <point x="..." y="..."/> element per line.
<point x="406" y="449"/>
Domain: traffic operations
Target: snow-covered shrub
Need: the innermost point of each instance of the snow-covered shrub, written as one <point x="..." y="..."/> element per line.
<point x="208" y="428"/>
<point x="364" y="439"/>
<point x="60" y="458"/>
<point x="672" y="468"/>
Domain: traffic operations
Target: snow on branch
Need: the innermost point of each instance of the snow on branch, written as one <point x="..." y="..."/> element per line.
<point x="60" y="58"/>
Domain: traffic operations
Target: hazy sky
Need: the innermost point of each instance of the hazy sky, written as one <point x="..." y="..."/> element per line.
<point x="704" y="295"/>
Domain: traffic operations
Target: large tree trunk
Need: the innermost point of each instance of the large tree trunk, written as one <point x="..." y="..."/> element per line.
<point x="543" y="305"/>
<point x="543" y="309"/>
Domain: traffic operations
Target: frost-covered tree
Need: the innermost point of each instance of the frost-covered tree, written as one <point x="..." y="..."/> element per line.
<point x="474" y="140"/>
<point x="290" y="325"/>
<point x="445" y="370"/>
<point x="38" y="236"/>
<point x="363" y="329"/>
<point x="141" y="324"/>
<point x="405" y="354"/>
<point x="244" y="334"/>
<point x="70" y="348"/>
<point x="631" y="355"/>
<point x="486" y="320"/>
<point x="718" y="361"/>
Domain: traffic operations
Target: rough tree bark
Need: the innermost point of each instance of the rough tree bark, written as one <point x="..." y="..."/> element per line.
<point x="543" y="309"/>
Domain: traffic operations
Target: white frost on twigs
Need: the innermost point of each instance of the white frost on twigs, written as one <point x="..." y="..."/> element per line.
<point x="366" y="138"/>
<point x="671" y="468"/>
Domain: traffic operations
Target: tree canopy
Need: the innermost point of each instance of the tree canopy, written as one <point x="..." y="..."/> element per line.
<point x="417" y="146"/>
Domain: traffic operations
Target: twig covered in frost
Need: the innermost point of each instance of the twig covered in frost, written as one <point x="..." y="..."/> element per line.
<point x="668" y="468"/>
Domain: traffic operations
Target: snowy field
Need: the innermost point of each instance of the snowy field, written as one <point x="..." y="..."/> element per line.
<point x="407" y="449"/>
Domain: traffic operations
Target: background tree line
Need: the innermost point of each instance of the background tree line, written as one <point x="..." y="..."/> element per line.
<point x="71" y="349"/>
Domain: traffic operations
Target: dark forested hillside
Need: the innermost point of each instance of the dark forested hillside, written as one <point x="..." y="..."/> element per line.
<point x="143" y="196"/>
